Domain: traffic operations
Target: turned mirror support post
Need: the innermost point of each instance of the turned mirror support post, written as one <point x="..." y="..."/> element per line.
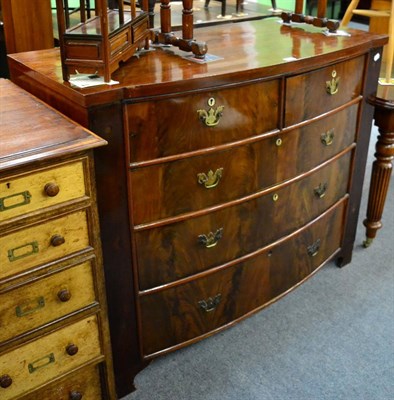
<point x="166" y="36"/>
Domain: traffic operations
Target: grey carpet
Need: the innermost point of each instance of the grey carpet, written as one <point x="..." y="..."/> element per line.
<point x="331" y="338"/>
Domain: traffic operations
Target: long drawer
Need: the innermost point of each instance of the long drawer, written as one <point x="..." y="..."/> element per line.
<point x="23" y="194"/>
<point x="192" y="310"/>
<point x="314" y="93"/>
<point x="171" y="126"/>
<point x="45" y="300"/>
<point x="175" y="251"/>
<point x="187" y="185"/>
<point x="50" y="356"/>
<point x="42" y="243"/>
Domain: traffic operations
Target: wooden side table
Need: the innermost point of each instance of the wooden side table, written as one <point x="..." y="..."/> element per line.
<point x="382" y="167"/>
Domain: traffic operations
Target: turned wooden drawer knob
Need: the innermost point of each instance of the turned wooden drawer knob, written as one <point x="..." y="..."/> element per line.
<point x="72" y="349"/>
<point x="64" y="295"/>
<point x="57" y="240"/>
<point x="5" y="381"/>
<point x="74" y="395"/>
<point x="51" y="189"/>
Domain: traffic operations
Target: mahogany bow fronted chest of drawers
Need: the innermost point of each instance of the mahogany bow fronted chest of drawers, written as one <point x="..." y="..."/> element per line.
<point x="224" y="185"/>
<point x="54" y="334"/>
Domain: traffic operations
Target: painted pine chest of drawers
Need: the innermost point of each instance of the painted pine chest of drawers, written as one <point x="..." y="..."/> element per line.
<point x="54" y="341"/>
<point x="224" y="185"/>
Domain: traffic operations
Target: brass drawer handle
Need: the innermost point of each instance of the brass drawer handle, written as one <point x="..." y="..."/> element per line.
<point x="5" y="381"/>
<point x="314" y="248"/>
<point x="212" y="116"/>
<point x="25" y="199"/>
<point x="211" y="179"/>
<point x="30" y="307"/>
<point x="74" y="395"/>
<point x="327" y="137"/>
<point x="211" y="239"/>
<point x="210" y="304"/>
<point x="51" y="189"/>
<point x="332" y="86"/>
<point x="64" y="295"/>
<point x="57" y="240"/>
<point x="72" y="349"/>
<point x="320" y="191"/>
<point x="41" y="363"/>
<point x="23" y="251"/>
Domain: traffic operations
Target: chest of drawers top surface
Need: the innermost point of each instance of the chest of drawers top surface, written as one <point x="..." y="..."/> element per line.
<point x="30" y="130"/>
<point x="248" y="50"/>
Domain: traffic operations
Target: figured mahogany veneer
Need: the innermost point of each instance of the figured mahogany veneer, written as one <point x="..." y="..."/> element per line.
<point x="241" y="226"/>
<point x="226" y="184"/>
<point x="54" y="335"/>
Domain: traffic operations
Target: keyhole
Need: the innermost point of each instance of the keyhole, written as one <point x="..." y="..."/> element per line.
<point x="8" y="185"/>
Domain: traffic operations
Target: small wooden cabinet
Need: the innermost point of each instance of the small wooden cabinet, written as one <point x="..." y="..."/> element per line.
<point x="226" y="184"/>
<point x="54" y="337"/>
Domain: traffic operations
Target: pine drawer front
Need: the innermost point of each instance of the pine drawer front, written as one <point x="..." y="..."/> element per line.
<point x="23" y="194"/>
<point x="312" y="94"/>
<point x="171" y="126"/>
<point x="39" y="244"/>
<point x="191" y="310"/>
<point x="171" y="252"/>
<point x="85" y="383"/>
<point x="48" y="357"/>
<point x="211" y="179"/>
<point x="46" y="300"/>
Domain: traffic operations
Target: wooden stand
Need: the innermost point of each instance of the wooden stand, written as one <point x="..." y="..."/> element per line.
<point x="97" y="45"/>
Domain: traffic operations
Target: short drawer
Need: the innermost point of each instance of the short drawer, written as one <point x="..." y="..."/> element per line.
<point x="78" y="50"/>
<point x="50" y="356"/>
<point x="169" y="189"/>
<point x="120" y="41"/>
<point x="84" y="384"/>
<point x="22" y="194"/>
<point x="140" y="30"/>
<point x="314" y="93"/>
<point x="46" y="300"/>
<point x="172" y="317"/>
<point x="42" y="243"/>
<point x="168" y="253"/>
<point x="182" y="124"/>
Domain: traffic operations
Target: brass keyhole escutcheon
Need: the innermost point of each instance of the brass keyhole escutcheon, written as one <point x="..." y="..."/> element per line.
<point x="275" y="197"/>
<point x="211" y="102"/>
<point x="279" y="142"/>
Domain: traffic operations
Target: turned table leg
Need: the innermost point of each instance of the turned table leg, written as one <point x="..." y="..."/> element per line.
<point x="381" y="169"/>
